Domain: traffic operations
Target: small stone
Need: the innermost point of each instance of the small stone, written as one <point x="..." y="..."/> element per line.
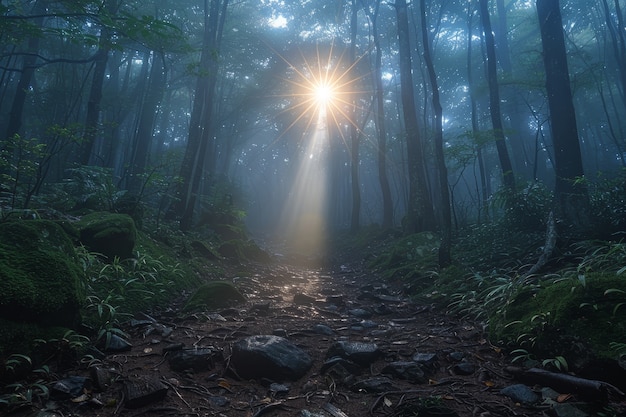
<point x="70" y="387"/>
<point x="359" y="352"/>
<point x="278" y="389"/>
<point x="464" y="368"/>
<point x="143" y="392"/>
<point x="457" y="356"/>
<point x="198" y="360"/>
<point x="303" y="299"/>
<point x="520" y="393"/>
<point x="374" y="385"/>
<point x="360" y="312"/>
<point x="410" y="371"/>
<point x="267" y="356"/>
<point x="114" y="343"/>
<point x="323" y="329"/>
<point x="280" y="332"/>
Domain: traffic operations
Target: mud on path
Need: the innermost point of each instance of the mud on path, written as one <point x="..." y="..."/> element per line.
<point x="463" y="376"/>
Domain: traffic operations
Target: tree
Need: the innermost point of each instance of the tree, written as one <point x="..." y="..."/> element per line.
<point x="494" y="99"/>
<point x="379" y="119"/>
<point x="420" y="213"/>
<point x="446" y="215"/>
<point x="571" y="194"/>
<point x="354" y="133"/>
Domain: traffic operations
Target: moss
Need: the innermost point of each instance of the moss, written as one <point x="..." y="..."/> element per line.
<point x="214" y="294"/>
<point x="40" y="281"/>
<point x="566" y="315"/>
<point x="110" y="234"/>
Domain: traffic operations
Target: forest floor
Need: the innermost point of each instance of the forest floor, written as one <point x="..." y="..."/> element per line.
<point x="465" y="379"/>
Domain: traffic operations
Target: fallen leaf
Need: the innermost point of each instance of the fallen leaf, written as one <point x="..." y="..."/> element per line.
<point x="490" y="384"/>
<point x="563" y="397"/>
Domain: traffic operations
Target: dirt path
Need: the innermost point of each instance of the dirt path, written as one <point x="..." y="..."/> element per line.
<point x="464" y="372"/>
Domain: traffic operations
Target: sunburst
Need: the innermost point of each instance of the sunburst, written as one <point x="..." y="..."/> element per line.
<point x="323" y="90"/>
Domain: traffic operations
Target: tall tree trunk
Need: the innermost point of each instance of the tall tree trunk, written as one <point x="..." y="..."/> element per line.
<point x="571" y="194"/>
<point x="484" y="184"/>
<point x="95" y="97"/>
<point x="354" y="134"/>
<point x="379" y="120"/>
<point x="149" y="107"/>
<point x="508" y="178"/>
<point x="201" y="123"/>
<point x="28" y="70"/>
<point x="512" y="105"/>
<point x="420" y="213"/>
<point x="446" y="214"/>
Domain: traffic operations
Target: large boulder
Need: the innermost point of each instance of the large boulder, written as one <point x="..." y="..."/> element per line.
<point x="112" y="235"/>
<point x="40" y="280"/>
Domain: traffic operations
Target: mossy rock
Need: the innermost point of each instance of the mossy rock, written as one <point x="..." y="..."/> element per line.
<point x="40" y="280"/>
<point x="560" y="317"/>
<point x="110" y="234"/>
<point x="213" y="295"/>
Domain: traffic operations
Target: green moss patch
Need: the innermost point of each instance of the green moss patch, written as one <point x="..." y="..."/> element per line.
<point x="40" y="281"/>
<point x="112" y="235"/>
<point x="214" y="294"/>
<point x="559" y="318"/>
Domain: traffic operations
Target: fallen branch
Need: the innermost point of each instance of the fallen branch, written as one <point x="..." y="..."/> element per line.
<point x="589" y="389"/>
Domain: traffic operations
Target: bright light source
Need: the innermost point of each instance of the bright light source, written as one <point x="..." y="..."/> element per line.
<point x="324" y="94"/>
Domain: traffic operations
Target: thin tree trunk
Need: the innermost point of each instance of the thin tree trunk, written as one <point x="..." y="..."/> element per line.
<point x="354" y="134"/>
<point x="446" y="215"/>
<point x="387" y="220"/>
<point x="26" y="76"/>
<point x="508" y="178"/>
<point x="420" y="213"/>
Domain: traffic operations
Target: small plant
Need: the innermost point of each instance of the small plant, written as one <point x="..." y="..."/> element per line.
<point x="557" y="362"/>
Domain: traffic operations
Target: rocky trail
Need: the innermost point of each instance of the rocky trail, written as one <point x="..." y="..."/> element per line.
<point x="310" y="342"/>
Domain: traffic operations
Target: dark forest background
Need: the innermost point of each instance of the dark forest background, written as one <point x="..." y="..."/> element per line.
<point x="454" y="108"/>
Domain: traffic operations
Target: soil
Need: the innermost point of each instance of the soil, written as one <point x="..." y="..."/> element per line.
<point x="270" y="290"/>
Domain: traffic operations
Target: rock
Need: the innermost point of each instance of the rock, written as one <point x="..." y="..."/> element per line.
<point x="278" y="389"/>
<point x="303" y="299"/>
<point x="323" y="329"/>
<point x="214" y="294"/>
<point x="143" y="392"/>
<point x="102" y="378"/>
<point x="427" y="361"/>
<point x="464" y="368"/>
<point x="115" y="343"/>
<point x="67" y="388"/>
<point x="359" y="352"/>
<point x="457" y="356"/>
<point x="40" y="280"/>
<point x="112" y="235"/>
<point x="360" y="313"/>
<point x="349" y="366"/>
<point x="272" y="357"/>
<point x="197" y="360"/>
<point x="408" y="370"/>
<point x="374" y="385"/>
<point x="520" y="393"/>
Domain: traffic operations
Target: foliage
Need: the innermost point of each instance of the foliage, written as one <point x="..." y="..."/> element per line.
<point x="525" y="209"/>
<point x="608" y="201"/>
<point x="20" y="160"/>
<point x="410" y="258"/>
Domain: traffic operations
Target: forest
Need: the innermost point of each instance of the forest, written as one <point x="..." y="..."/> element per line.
<point x="472" y="152"/>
